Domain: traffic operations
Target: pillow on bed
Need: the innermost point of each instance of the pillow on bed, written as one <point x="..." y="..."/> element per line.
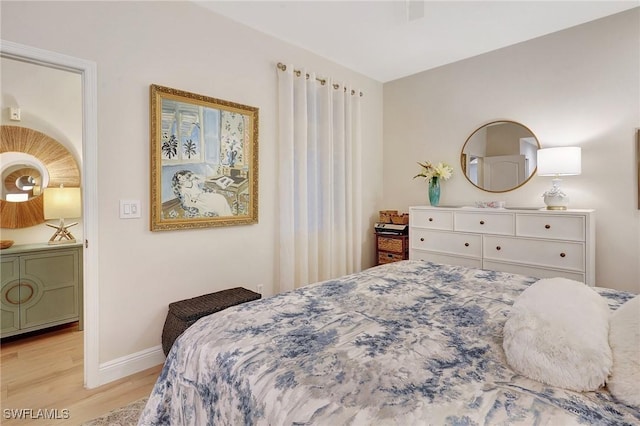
<point x="558" y="333"/>
<point x="624" y="338"/>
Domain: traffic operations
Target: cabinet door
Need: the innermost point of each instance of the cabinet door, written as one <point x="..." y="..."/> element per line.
<point x="55" y="279"/>
<point x="10" y="302"/>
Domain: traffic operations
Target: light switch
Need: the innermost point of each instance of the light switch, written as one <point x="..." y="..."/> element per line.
<point x="129" y="209"/>
<point x="14" y="113"/>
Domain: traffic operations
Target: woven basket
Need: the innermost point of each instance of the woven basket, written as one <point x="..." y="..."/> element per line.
<point x="184" y="313"/>
<point x="390" y="244"/>
<point x="385" y="215"/>
<point x="400" y="219"/>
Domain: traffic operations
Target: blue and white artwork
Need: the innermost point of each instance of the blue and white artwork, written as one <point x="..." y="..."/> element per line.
<point x="203" y="161"/>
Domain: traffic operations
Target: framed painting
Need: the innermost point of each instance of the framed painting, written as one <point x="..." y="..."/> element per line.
<point x="204" y="161"/>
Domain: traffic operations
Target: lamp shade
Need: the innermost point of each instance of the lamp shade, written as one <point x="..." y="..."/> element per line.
<point x="561" y="161"/>
<point x="60" y="203"/>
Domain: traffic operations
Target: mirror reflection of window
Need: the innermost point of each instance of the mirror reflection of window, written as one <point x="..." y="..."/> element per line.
<point x="472" y="170"/>
<point x="16" y="198"/>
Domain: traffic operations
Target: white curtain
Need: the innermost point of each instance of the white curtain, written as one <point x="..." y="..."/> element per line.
<point x="320" y="197"/>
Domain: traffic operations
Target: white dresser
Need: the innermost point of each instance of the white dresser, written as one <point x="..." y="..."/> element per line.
<point x="540" y="243"/>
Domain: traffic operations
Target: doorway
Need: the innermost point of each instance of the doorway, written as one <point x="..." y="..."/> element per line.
<point x="87" y="71"/>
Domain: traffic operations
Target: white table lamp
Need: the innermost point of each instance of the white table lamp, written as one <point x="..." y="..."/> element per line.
<point x="61" y="203"/>
<point x="561" y="161"/>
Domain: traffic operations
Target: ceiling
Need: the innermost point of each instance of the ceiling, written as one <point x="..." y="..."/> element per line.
<point x="387" y="40"/>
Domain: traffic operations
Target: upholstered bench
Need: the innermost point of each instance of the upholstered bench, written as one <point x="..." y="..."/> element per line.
<point x="184" y="313"/>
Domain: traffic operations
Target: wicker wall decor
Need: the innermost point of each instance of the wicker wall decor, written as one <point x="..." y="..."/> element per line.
<point x="61" y="166"/>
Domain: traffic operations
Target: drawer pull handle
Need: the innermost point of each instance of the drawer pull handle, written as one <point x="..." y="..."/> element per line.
<point x="430" y="219"/>
<point x="466" y="244"/>
<point x="482" y="222"/>
<point x="547" y="227"/>
<point x="563" y="254"/>
<point x="498" y="248"/>
<point x="421" y="239"/>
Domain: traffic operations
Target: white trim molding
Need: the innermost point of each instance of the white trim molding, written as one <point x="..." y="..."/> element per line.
<point x="131" y="364"/>
<point x="88" y="72"/>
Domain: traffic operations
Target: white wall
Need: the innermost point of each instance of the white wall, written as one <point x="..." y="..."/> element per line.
<point x="50" y="101"/>
<point x="183" y="46"/>
<point x="577" y="87"/>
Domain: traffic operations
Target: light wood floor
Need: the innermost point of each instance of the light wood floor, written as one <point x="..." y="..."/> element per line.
<point x="46" y="371"/>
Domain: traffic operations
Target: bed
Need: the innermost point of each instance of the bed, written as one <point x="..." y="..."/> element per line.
<point x="406" y="343"/>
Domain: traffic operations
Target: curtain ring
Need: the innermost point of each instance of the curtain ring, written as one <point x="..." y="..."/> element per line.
<point x="322" y="81"/>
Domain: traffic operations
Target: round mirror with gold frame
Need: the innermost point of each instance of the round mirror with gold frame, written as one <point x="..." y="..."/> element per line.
<point x="500" y="156"/>
<point x="31" y="161"/>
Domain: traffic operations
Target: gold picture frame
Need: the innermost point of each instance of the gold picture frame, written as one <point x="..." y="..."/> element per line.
<point x="204" y="161"/>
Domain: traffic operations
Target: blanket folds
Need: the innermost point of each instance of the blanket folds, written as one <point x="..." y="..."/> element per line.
<point x="624" y="338"/>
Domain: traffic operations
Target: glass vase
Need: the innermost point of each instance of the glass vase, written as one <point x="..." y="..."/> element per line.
<point x="434" y="191"/>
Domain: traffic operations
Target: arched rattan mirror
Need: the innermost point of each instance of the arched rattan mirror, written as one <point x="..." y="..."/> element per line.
<point x="500" y="156"/>
<point x="36" y="161"/>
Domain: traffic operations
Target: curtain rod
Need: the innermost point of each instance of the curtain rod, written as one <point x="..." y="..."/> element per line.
<point x="322" y="81"/>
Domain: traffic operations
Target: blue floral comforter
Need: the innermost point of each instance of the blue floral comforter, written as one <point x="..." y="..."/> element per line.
<point x="408" y="343"/>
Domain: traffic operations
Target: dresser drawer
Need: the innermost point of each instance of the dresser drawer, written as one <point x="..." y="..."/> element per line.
<point x="391" y="244"/>
<point x="457" y="243"/>
<point x="535" y="242"/>
<point x="485" y="223"/>
<point x="533" y="271"/>
<point x="446" y="259"/>
<point x="432" y="219"/>
<point x="551" y="226"/>
<point x="553" y="254"/>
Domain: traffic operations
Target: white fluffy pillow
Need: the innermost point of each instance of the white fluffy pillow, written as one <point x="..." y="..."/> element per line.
<point x="624" y="338"/>
<point x="558" y="333"/>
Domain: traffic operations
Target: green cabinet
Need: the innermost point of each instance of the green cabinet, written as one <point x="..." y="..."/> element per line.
<point x="41" y="287"/>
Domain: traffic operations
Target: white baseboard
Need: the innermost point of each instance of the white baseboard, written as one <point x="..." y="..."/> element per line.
<point x="130" y="364"/>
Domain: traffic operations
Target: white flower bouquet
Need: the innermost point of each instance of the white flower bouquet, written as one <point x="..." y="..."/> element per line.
<point x="440" y="171"/>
